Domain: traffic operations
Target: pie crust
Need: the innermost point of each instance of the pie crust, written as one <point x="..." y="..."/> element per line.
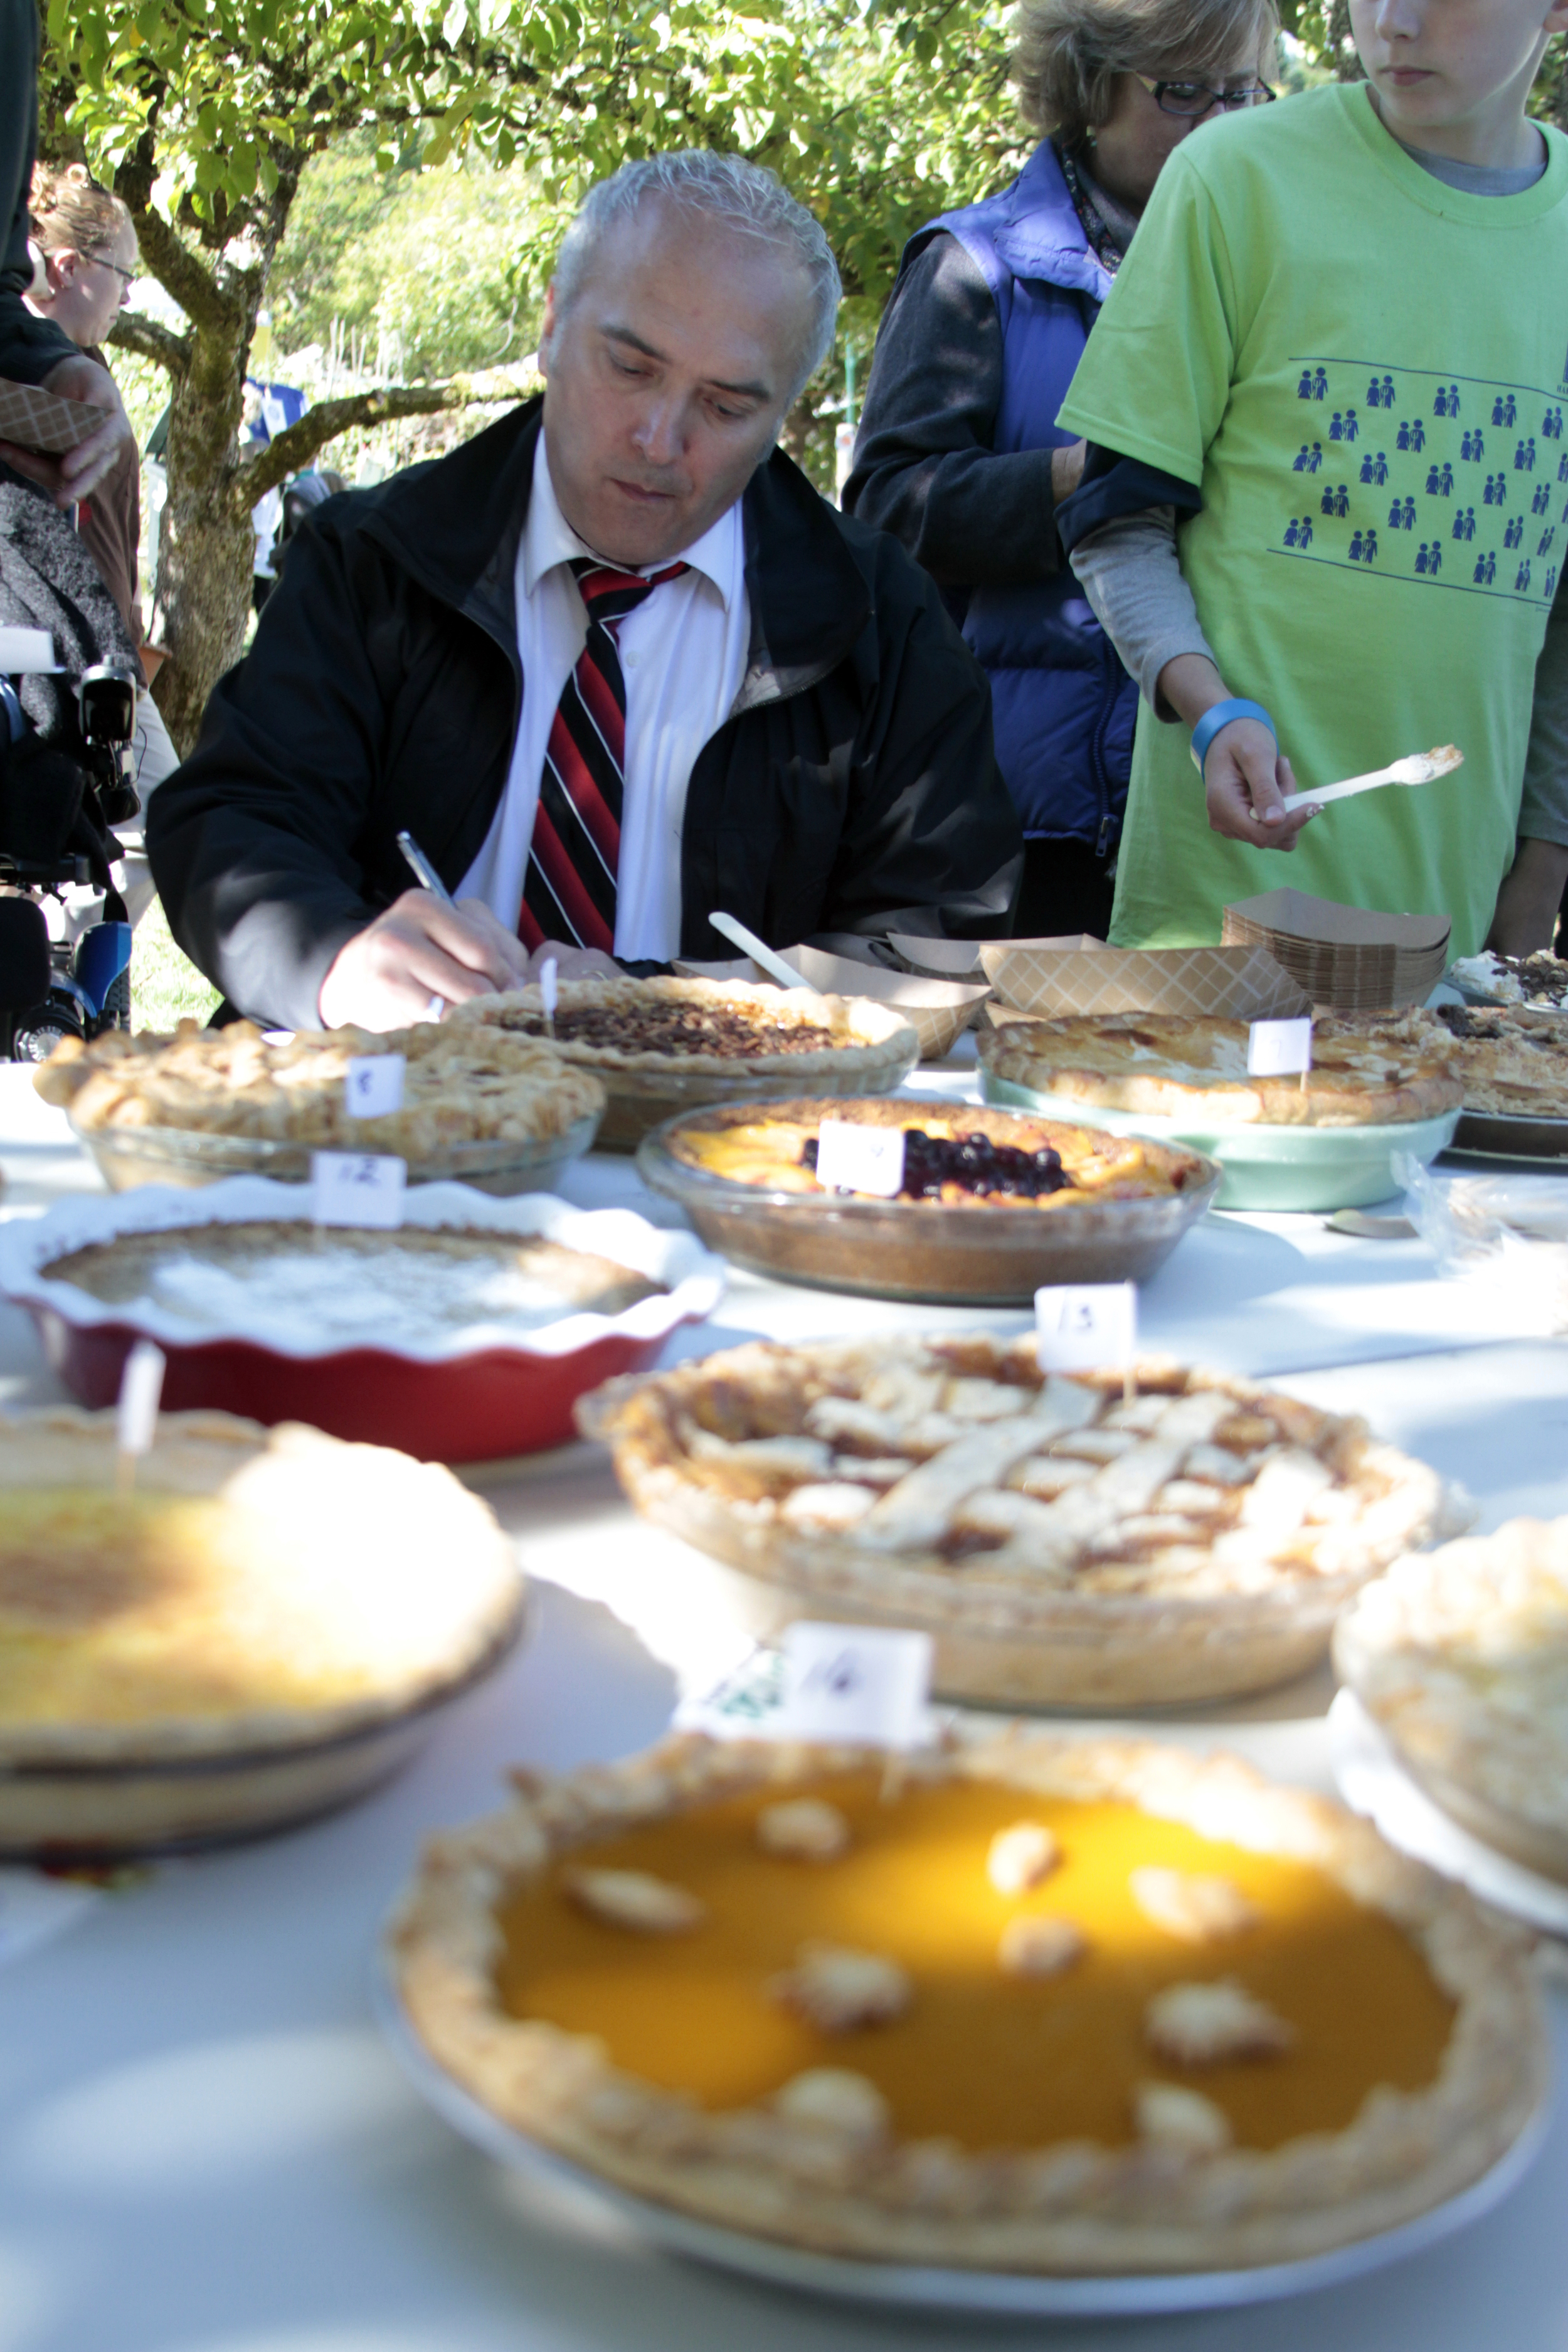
<point x="459" y="1085"/>
<point x="256" y="1590"/>
<point x="1367" y="1071"/>
<point x="1461" y="1656"/>
<point x="1108" y="1560"/>
<point x="664" y="1045"/>
<point x="1509" y="1058"/>
<point x="1366" y="2049"/>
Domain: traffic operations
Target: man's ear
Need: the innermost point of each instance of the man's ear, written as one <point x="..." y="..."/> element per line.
<point x="547" y="322"/>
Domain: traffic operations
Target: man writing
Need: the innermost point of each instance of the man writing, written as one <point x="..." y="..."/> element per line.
<point x="613" y="664"/>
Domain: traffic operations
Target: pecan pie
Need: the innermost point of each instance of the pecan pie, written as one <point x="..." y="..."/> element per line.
<point x="877" y="2043"/>
<point x="662" y="1045"/>
<point x="1367" y="1070"/>
<point x="234" y="1638"/>
<point x="1062" y="1539"/>
<point x="1461" y="1655"/>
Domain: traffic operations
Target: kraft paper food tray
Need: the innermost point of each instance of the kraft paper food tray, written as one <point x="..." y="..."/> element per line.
<point x="35" y="419"/>
<point x="1234" y="983"/>
<point x="1324" y="922"/>
<point x="960" y="959"/>
<point x="938" y="1009"/>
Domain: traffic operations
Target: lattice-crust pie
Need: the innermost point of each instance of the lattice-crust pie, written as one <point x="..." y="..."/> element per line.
<point x="459" y="1085"/>
<point x="1367" y="1070"/>
<point x="1059" y="1540"/>
<point x="1023" y="2003"/>
<point x="1462" y="1657"/>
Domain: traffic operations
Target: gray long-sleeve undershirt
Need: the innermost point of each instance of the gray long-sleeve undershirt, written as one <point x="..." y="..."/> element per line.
<point x="1131" y="574"/>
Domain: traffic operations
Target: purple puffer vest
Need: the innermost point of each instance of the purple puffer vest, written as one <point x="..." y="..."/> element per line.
<point x="1064" y="706"/>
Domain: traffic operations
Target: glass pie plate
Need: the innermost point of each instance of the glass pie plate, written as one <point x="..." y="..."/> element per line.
<point x="129" y="1156"/>
<point x="640" y="1100"/>
<point x="482" y="1391"/>
<point x="969" y="1253"/>
<point x="1265" y="1167"/>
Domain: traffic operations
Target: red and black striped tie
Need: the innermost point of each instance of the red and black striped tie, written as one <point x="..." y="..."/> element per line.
<point x="569" y="891"/>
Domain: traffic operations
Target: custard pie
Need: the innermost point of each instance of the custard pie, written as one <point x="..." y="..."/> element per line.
<point x="1461" y="1656"/>
<point x="246" y="1632"/>
<point x="1179" y="1534"/>
<point x="876" y="2044"/>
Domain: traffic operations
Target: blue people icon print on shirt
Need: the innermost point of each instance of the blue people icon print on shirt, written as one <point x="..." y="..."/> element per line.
<point x="1548" y="585"/>
<point x="1429" y="502"/>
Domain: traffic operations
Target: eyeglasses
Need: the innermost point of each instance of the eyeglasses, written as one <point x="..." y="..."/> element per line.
<point x="1192" y="99"/>
<point x="128" y="277"/>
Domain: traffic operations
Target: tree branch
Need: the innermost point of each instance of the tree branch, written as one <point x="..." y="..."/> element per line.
<point x="294" y="448"/>
<point x="178" y="270"/>
<point x="133" y="332"/>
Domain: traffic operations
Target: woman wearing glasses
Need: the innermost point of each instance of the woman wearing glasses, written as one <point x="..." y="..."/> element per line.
<point x="86" y="258"/>
<point x="959" y="452"/>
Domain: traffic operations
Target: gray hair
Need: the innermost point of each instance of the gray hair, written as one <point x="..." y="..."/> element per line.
<point x="743" y="197"/>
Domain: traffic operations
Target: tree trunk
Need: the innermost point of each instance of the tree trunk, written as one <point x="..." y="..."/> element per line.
<point x="206" y="549"/>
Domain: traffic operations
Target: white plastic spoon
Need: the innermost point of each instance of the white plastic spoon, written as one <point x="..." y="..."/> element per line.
<point x="1420" y="768"/>
<point x="772" y="963"/>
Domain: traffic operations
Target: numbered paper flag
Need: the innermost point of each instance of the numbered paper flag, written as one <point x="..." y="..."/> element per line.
<point x="1277" y="1049"/>
<point x="851" y="1158"/>
<point x="1084" y="1326"/>
<point x="866" y="1685"/>
<point x="141" y="1392"/>
<point x="357" y="1188"/>
<point x="374" y="1086"/>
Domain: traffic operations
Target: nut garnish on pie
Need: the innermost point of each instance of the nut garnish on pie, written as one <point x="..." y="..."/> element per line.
<point x="1377" y="2048"/>
<point x="1057" y="1539"/>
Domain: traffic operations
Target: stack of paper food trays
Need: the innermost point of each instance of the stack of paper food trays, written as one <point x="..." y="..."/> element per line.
<point x="1349" y="957"/>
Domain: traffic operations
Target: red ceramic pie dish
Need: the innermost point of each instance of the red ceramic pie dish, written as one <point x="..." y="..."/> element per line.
<point x="480" y="1395"/>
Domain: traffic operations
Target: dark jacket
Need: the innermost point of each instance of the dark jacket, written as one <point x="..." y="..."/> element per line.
<point x="1063" y="708"/>
<point x="29" y="347"/>
<point x="853" y="786"/>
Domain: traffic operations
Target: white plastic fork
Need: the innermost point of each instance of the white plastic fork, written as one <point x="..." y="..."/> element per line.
<point x="759" y="951"/>
<point x="1420" y="768"/>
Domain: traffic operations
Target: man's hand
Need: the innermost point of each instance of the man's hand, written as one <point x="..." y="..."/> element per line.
<point x="571" y="963"/>
<point x="416" y="950"/>
<point x="1528" y="901"/>
<point x="78" y="472"/>
<point x="1245" y="777"/>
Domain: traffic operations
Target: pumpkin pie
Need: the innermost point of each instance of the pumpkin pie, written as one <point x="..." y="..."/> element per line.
<point x="1033" y="2004"/>
<point x="1095" y="1540"/>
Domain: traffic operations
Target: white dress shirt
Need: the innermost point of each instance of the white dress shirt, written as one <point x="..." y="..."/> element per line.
<point x="683" y="656"/>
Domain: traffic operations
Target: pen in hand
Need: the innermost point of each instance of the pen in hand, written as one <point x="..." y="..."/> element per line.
<point x="425" y="874"/>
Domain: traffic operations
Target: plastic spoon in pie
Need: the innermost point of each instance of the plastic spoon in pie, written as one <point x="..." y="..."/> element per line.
<point x="772" y="963"/>
<point x="1420" y="768"/>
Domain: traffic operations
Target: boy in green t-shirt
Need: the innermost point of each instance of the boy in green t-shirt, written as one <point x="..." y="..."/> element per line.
<point x="1338" y="349"/>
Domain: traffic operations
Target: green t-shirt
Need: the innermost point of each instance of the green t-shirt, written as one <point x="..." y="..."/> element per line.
<point x="1366" y="372"/>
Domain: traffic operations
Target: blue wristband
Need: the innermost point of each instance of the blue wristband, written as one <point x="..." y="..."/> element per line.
<point x="1221" y="715"/>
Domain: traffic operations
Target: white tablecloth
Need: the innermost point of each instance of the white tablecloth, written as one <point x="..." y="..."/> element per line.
<point x="203" y="2144"/>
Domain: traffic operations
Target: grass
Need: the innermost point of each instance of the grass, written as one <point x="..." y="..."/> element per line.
<point x="165" y="987"/>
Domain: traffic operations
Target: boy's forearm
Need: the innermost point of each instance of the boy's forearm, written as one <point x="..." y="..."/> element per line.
<point x="1130" y="570"/>
<point x="1191" y="685"/>
<point x="1528" y="902"/>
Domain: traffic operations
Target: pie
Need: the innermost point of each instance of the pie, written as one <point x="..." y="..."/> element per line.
<point x="953" y="1154"/>
<point x="1509" y="1058"/>
<point x="1374" y="1070"/>
<point x="459" y="1085"/>
<point x="1062" y="1539"/>
<point x="257" y="1595"/>
<point x="1024" y="2003"/>
<point x="343" y="1286"/>
<point x="661" y="1045"/>
<point x="1462" y="1656"/>
<point x="1540" y="979"/>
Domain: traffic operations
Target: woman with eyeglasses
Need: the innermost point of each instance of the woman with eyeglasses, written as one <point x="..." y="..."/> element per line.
<point x="959" y="452"/>
<point x="85" y="260"/>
